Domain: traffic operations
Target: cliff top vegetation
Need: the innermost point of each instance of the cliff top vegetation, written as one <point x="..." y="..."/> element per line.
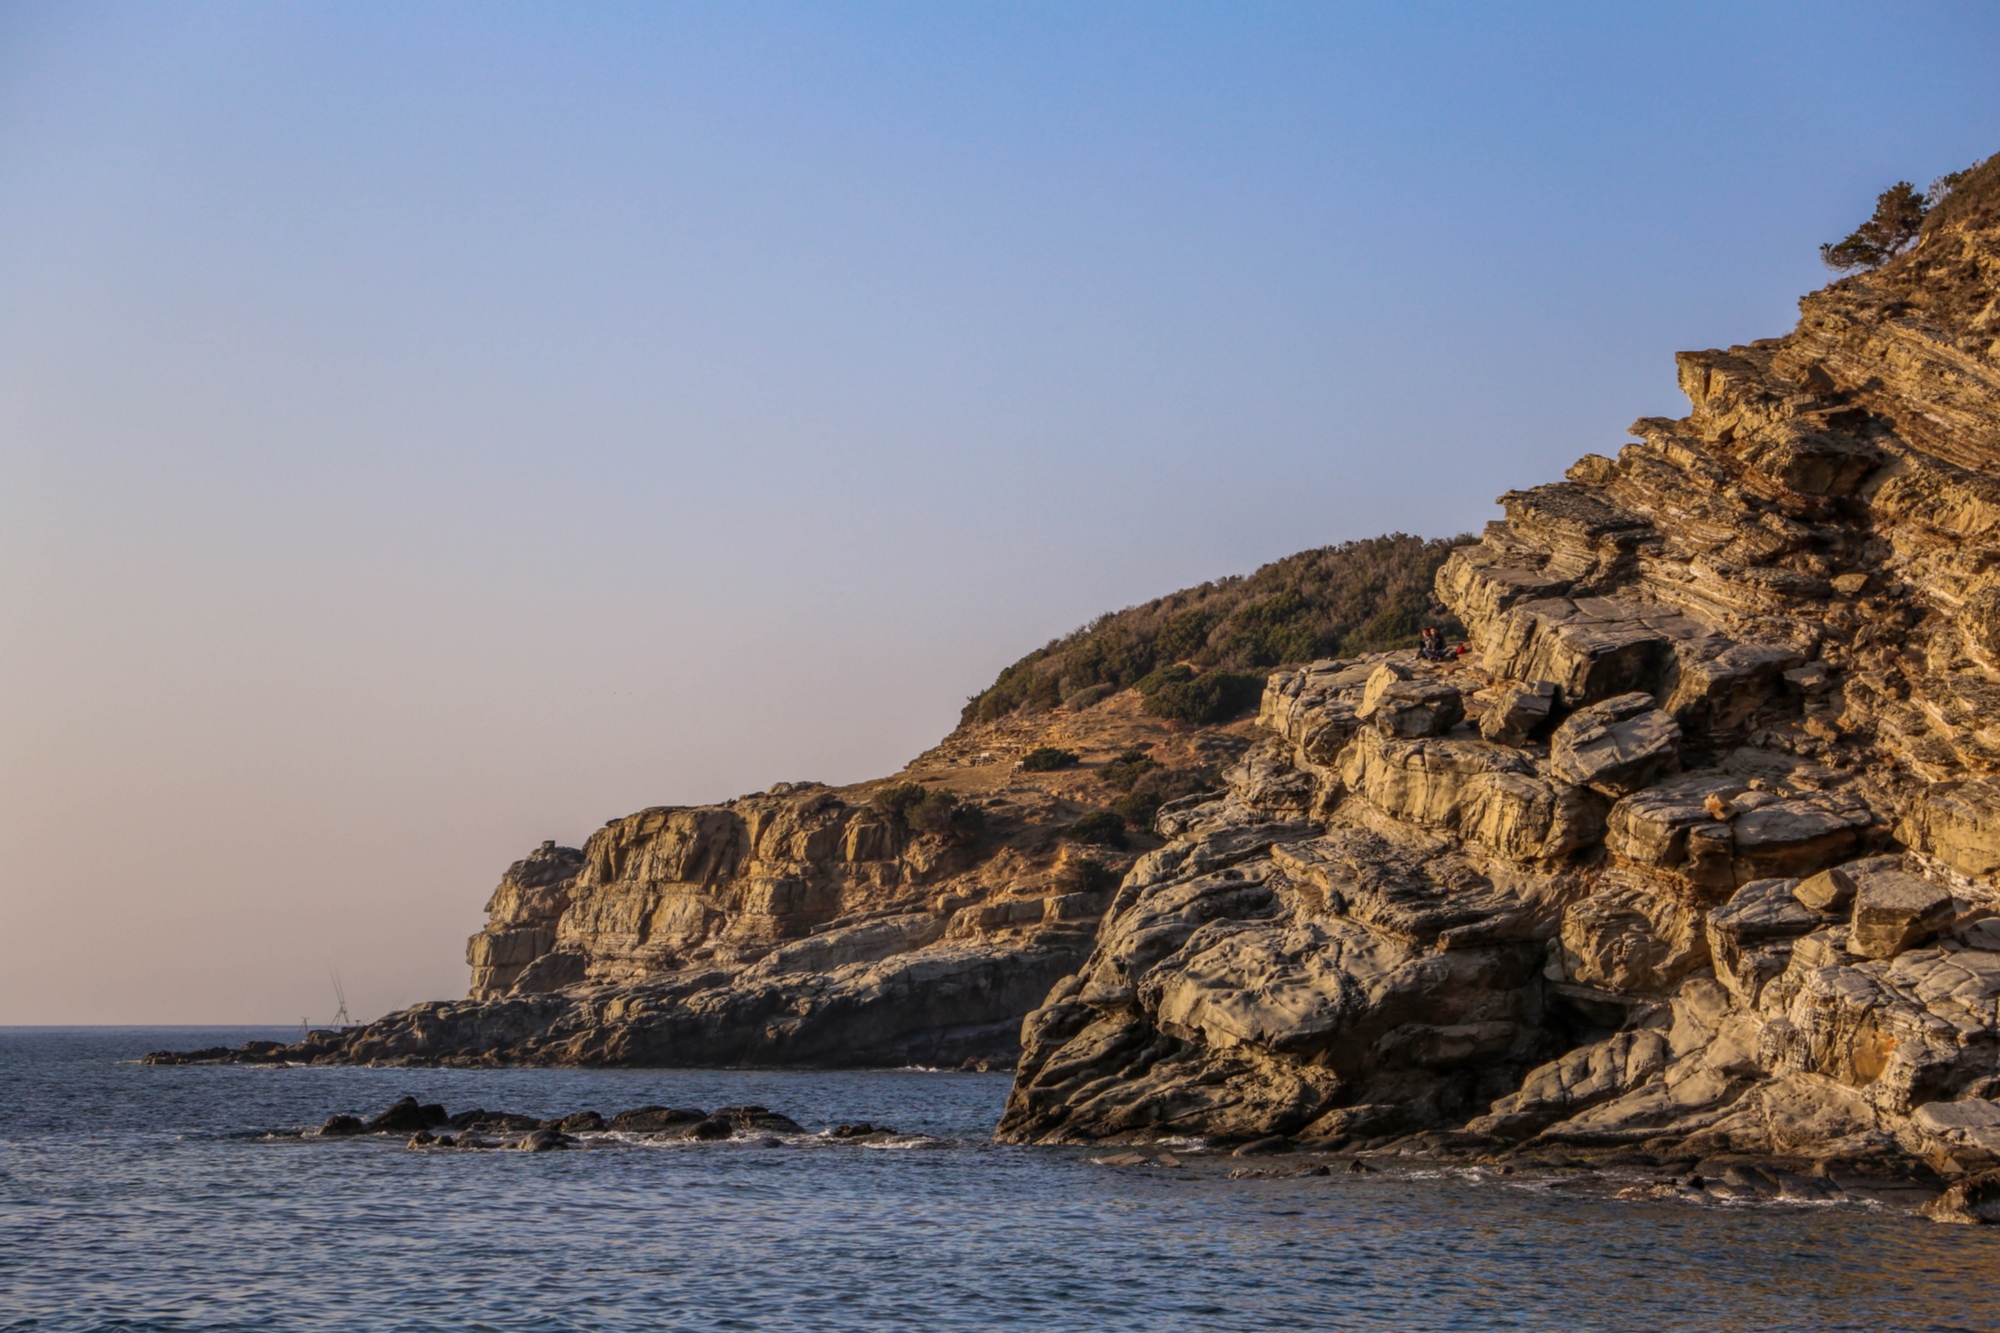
<point x="1903" y="215"/>
<point x="1361" y="596"/>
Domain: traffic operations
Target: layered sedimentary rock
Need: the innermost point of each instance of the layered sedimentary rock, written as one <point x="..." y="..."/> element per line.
<point x="909" y="920"/>
<point x="1697" y="850"/>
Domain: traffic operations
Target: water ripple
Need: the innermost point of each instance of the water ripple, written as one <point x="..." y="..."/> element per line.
<point x="136" y="1198"/>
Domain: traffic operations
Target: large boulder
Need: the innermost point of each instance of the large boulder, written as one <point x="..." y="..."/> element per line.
<point x="1794" y="836"/>
<point x="1974" y="1201"/>
<point x="1909" y="1030"/>
<point x="1894" y="911"/>
<point x="1516" y="712"/>
<point x="1631" y="938"/>
<point x="1487" y="794"/>
<point x="1831" y="890"/>
<point x="1967" y="1131"/>
<point x="1673" y="828"/>
<point x="406" y="1116"/>
<point x="1615" y="747"/>
<point x="1579" y="1079"/>
<point x="1399" y="702"/>
<point x="1750" y="937"/>
<point x="1957" y="824"/>
<point x="1591" y="648"/>
<point x="1414" y="889"/>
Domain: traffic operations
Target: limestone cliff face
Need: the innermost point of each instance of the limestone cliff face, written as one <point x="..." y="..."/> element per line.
<point x="665" y="889"/>
<point x="523" y="913"/>
<point x="1699" y="847"/>
<point x="810" y="924"/>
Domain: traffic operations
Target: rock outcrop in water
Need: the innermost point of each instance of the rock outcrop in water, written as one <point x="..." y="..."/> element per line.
<point x="913" y="920"/>
<point x="1698" y="852"/>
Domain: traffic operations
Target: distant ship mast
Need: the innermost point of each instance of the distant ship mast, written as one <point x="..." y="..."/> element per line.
<point x="340" y="1017"/>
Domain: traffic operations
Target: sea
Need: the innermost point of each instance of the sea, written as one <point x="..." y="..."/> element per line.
<point x="135" y="1197"/>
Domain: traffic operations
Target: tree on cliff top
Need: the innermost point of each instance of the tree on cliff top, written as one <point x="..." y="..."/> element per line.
<point x="1334" y="601"/>
<point x="1900" y="216"/>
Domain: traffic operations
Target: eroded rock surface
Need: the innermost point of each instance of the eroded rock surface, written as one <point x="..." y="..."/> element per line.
<point x="1708" y="869"/>
<point x="1695" y="855"/>
<point x="808" y="924"/>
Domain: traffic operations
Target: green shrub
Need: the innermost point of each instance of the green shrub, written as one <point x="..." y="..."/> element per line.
<point x="1213" y="696"/>
<point x="1085" y="874"/>
<point x="943" y="813"/>
<point x="893" y="803"/>
<point x="1165" y="677"/>
<point x="1126" y="770"/>
<point x="1155" y="787"/>
<point x="1971" y="196"/>
<point x="1087" y="697"/>
<point x="911" y="808"/>
<point x="1898" y="218"/>
<point x="1103" y="828"/>
<point x="1046" y="759"/>
<point x="1338" y="600"/>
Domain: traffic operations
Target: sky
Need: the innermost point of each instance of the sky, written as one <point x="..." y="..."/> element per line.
<point x="429" y="429"/>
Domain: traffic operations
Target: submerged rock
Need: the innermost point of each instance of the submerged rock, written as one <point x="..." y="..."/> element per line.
<point x="1975" y="1201"/>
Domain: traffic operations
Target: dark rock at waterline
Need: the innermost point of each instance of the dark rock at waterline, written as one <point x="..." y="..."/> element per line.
<point x="648" y="1118"/>
<point x="861" y="1130"/>
<point x="547" y="1140"/>
<point x="407" y="1117"/>
<point x="318" y="1046"/>
<point x="506" y="1121"/>
<point x="207" y="1055"/>
<point x="758" y="1119"/>
<point x="1258" y="1147"/>
<point x="1974" y="1200"/>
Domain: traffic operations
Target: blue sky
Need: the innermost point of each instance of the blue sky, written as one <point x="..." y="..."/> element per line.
<point x="426" y="429"/>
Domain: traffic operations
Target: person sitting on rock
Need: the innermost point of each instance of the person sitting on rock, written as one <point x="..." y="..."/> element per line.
<point x="1430" y="645"/>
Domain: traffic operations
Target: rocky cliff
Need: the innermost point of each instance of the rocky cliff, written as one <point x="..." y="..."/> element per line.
<point x="1699" y="850"/>
<point x="914" y="919"/>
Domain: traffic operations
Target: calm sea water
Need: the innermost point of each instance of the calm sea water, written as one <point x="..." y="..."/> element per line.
<point x="141" y="1198"/>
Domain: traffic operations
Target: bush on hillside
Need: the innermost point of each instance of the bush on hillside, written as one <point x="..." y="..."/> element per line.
<point x="1089" y="696"/>
<point x="1102" y="828"/>
<point x="1902" y="215"/>
<point x="1153" y="682"/>
<point x="1213" y="696"/>
<point x="1085" y="874"/>
<point x="912" y="808"/>
<point x="1899" y="216"/>
<point x="1337" y="601"/>
<point x="1125" y="771"/>
<point x="893" y="803"/>
<point x="1046" y="759"/>
<point x="1968" y="196"/>
<point x="1156" y="787"/>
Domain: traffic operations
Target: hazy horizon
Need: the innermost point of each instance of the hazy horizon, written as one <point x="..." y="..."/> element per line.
<point x="433" y="430"/>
